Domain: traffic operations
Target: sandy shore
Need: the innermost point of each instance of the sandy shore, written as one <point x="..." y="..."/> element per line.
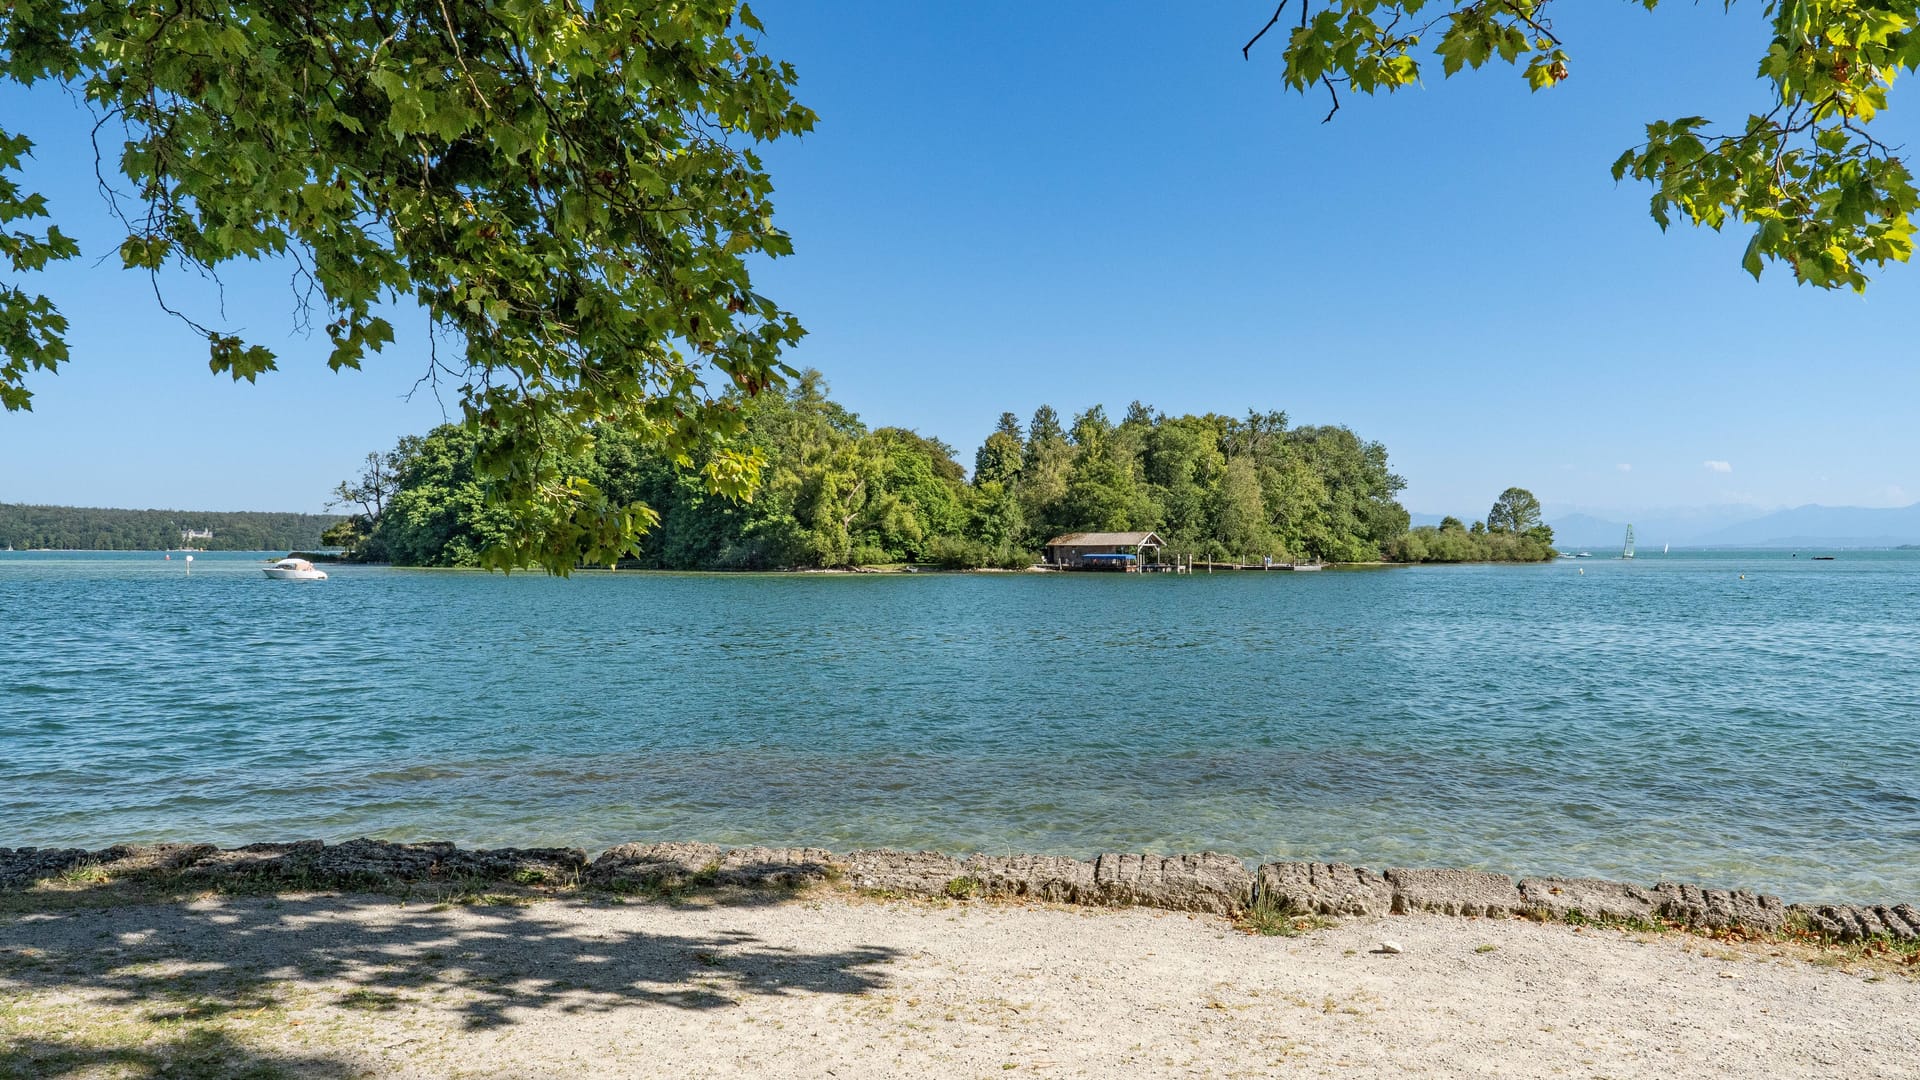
<point x="829" y="984"/>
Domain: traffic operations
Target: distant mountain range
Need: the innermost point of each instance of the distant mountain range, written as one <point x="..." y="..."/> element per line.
<point x="1801" y="527"/>
<point x="1835" y="526"/>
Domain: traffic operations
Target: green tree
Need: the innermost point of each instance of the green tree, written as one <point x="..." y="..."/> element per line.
<point x="1240" y="526"/>
<point x="1257" y="436"/>
<point x="1804" y="171"/>
<point x="439" y="514"/>
<point x="1043" y="474"/>
<point x="1102" y="495"/>
<point x="1299" y="506"/>
<point x="1359" y="510"/>
<point x="993" y="517"/>
<point x="1181" y="462"/>
<point x="1091" y="428"/>
<point x="1043" y="488"/>
<point x="998" y="459"/>
<point x="369" y="491"/>
<point x="1515" y="511"/>
<point x="347" y="534"/>
<point x="1044" y="427"/>
<point x="918" y="496"/>
<point x="568" y="190"/>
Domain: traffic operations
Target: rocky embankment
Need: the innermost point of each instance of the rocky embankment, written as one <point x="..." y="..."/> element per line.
<point x="1208" y="882"/>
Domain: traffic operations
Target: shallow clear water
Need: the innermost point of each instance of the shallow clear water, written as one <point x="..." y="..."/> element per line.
<point x="1660" y="718"/>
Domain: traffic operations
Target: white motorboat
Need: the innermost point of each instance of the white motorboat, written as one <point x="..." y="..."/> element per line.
<point x="295" y="570"/>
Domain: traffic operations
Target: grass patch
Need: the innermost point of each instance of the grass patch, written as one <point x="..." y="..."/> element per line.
<point x="1269" y="919"/>
<point x="1816" y="947"/>
<point x="366" y="1000"/>
<point x="1576" y="917"/>
<point x="964" y="888"/>
<point x="495" y="899"/>
<point x="1903" y="956"/>
<point x="37" y="1043"/>
<point x="83" y="874"/>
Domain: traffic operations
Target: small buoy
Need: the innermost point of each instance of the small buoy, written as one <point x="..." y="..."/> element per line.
<point x="1743" y="577"/>
<point x="189" y="558"/>
<point x="1583" y="571"/>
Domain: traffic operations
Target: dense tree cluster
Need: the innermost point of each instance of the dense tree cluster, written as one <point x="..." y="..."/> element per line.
<point x="1513" y="532"/>
<point x="86" y="529"/>
<point x="834" y="492"/>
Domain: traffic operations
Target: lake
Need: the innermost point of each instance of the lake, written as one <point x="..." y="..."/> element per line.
<point x="1661" y="718"/>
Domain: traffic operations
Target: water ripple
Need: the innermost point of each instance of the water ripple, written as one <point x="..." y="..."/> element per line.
<point x="1646" y="720"/>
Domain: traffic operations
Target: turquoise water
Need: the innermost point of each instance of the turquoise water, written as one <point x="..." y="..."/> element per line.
<point x="1661" y="718"/>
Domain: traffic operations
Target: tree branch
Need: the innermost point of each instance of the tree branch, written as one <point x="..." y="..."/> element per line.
<point x="1246" y="51"/>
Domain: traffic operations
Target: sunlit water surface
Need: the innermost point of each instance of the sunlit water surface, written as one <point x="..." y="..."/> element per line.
<point x="1664" y="718"/>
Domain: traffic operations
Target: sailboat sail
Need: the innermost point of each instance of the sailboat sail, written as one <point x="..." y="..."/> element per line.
<point x="1628" y="552"/>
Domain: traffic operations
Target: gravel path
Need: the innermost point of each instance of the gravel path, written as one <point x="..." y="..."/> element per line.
<point x="844" y="987"/>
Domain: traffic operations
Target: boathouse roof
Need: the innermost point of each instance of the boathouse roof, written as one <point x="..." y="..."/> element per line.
<point x="1107" y="539"/>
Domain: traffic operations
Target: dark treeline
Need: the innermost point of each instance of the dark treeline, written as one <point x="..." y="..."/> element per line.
<point x="85" y="528"/>
<point x="836" y="493"/>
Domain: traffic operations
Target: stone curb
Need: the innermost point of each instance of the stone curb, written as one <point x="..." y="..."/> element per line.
<point x="1207" y="882"/>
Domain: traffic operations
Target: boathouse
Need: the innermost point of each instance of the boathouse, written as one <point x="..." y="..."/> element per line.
<point x="1103" y="550"/>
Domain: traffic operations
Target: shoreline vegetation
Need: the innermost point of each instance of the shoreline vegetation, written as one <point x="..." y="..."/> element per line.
<point x="1275" y="897"/>
<point x="836" y="494"/>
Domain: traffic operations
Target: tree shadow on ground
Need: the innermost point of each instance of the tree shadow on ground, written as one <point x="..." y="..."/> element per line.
<point x="196" y="1055"/>
<point x="484" y="966"/>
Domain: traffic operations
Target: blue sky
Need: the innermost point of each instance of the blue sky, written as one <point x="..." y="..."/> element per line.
<point x="1006" y="205"/>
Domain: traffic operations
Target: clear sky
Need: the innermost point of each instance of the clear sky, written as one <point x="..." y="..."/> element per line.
<point x="1008" y="204"/>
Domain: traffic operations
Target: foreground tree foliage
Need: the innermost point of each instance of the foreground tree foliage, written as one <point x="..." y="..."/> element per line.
<point x="1804" y="171"/>
<point x="836" y="493"/>
<point x="560" y="186"/>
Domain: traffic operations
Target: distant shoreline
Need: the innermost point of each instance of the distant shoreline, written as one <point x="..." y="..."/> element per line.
<point x="904" y="569"/>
